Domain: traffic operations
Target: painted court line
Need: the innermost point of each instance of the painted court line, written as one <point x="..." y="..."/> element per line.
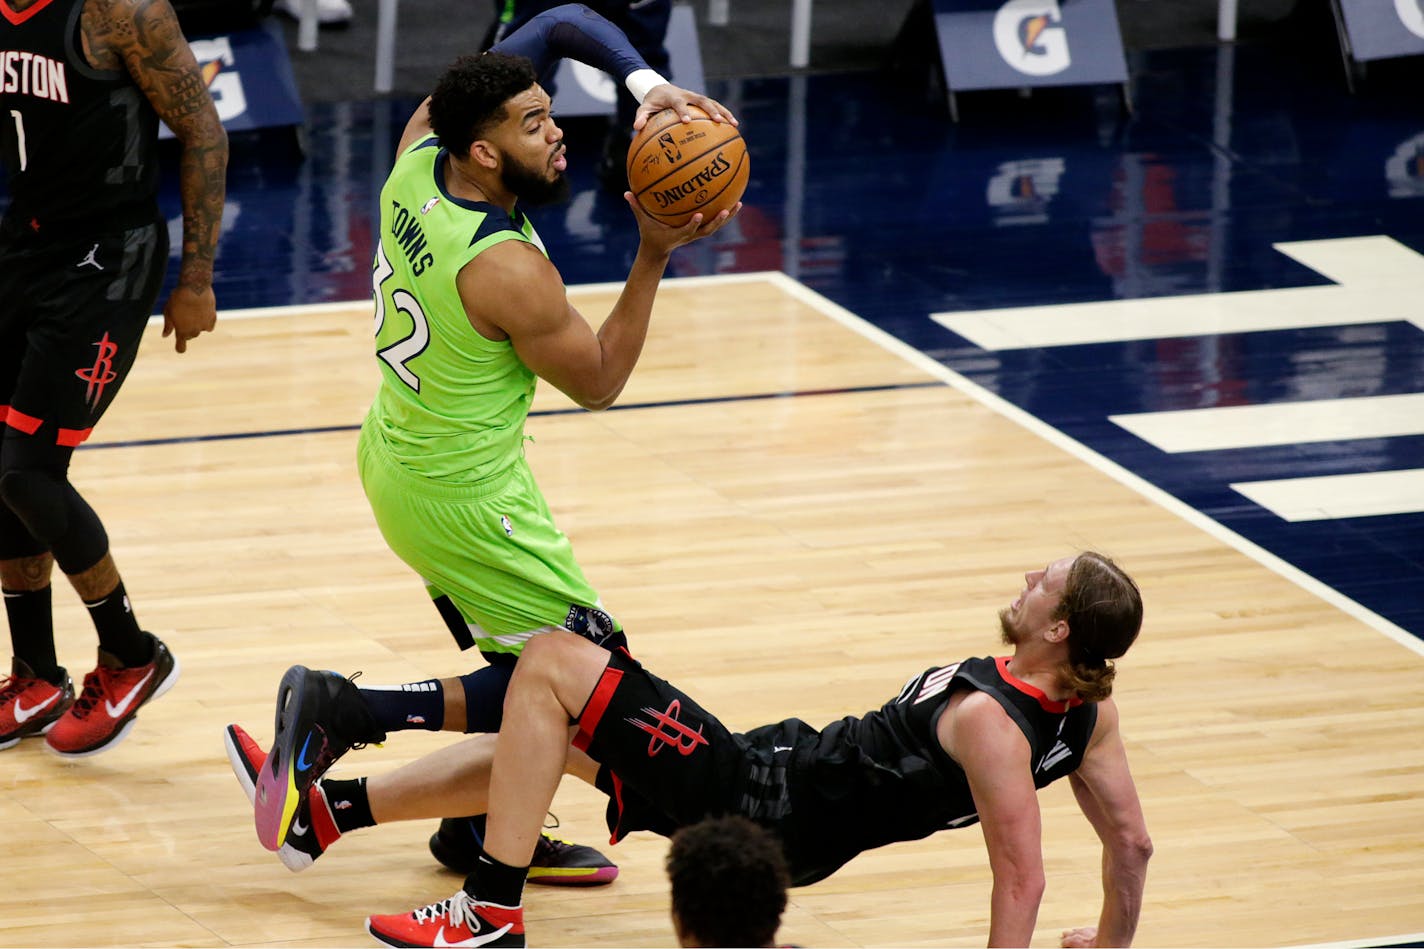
<point x="1327" y="497"/>
<point x="1373" y="276"/>
<point x="1282" y="423"/>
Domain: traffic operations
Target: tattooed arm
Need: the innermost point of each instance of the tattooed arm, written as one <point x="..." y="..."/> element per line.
<point x="143" y="37"/>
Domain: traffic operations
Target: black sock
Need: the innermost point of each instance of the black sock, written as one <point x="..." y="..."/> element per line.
<point x="350" y="805"/>
<point x="119" y="635"/>
<point x="404" y="707"/>
<point x="32" y="631"/>
<point x="495" y="882"/>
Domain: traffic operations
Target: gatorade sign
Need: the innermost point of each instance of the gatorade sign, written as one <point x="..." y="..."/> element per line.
<point x="1379" y="29"/>
<point x="1012" y="43"/>
<point x="249" y="77"/>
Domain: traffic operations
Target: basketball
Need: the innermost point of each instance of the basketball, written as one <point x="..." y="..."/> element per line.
<point x="677" y="169"/>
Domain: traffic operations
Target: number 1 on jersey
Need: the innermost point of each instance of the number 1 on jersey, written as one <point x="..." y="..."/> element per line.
<point x="407" y="348"/>
<point x="20" y="136"/>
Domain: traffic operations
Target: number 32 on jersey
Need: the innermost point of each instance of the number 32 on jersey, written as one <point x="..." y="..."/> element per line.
<point x="405" y="349"/>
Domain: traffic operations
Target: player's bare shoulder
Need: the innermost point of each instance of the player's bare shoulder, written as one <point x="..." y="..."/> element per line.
<point x="973" y="716"/>
<point x="144" y="37"/>
<point x="512" y="289"/>
<point x="1106" y="725"/>
<point x="106" y="27"/>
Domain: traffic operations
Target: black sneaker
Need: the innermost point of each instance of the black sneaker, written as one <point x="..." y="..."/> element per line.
<point x="320" y="717"/>
<point x="457" y="845"/>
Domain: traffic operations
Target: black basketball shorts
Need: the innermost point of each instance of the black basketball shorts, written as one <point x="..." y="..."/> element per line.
<point x="72" y="314"/>
<point x="667" y="762"/>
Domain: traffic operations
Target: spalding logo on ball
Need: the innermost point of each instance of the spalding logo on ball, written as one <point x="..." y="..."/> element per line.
<point x="677" y="169"/>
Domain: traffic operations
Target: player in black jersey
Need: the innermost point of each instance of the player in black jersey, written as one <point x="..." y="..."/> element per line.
<point x="964" y="743"/>
<point x="83" y="249"/>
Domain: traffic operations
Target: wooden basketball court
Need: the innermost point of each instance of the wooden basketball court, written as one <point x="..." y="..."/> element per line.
<point x="790" y="517"/>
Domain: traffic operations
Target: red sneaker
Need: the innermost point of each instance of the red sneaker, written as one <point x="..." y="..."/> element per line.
<point x="314" y="826"/>
<point x="104" y="713"/>
<point x="30" y="706"/>
<point x="459" y="921"/>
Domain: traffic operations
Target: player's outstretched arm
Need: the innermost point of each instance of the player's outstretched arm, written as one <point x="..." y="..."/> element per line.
<point x="1106" y="794"/>
<point x="573" y="31"/>
<point x="995" y="757"/>
<point x="146" y="36"/>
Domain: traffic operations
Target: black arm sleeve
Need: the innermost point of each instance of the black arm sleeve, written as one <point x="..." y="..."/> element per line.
<point x="573" y="31"/>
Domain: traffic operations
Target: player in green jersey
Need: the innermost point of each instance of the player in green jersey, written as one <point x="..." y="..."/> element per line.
<point x="469" y="311"/>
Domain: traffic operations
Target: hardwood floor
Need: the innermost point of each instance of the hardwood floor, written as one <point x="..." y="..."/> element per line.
<point x="790" y="520"/>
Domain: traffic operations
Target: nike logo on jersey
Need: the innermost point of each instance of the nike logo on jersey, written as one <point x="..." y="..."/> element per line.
<point x="117" y="711"/>
<point x="23" y="714"/>
<point x="1057" y="754"/>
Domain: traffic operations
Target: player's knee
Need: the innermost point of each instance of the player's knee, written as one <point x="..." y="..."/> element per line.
<point x="550" y="657"/>
<point x="38" y="498"/>
<point x="541" y="652"/>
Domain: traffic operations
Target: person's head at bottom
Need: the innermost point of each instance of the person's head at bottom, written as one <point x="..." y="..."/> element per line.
<point x="729" y="881"/>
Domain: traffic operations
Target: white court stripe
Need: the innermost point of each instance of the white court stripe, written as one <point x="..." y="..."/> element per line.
<point x="1370" y="494"/>
<point x="1379" y="280"/>
<point x="1361" y="261"/>
<point x="1116" y="321"/>
<point x="1286" y="423"/>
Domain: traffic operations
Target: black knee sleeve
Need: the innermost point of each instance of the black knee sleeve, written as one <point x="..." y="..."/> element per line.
<point x="16" y="541"/>
<point x="56" y="516"/>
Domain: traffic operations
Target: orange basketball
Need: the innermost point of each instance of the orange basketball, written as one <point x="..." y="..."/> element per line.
<point x="677" y="169"/>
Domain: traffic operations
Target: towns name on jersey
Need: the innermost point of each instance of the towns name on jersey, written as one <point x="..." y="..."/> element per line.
<point x="405" y="228"/>
<point x="29" y="74"/>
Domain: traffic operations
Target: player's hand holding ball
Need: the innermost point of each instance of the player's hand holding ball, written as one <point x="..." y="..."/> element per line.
<point x="679" y="169"/>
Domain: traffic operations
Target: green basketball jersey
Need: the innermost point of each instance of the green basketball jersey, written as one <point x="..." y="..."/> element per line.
<point x="452" y="403"/>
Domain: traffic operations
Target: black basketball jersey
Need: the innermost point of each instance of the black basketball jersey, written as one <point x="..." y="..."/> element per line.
<point x="881" y="778"/>
<point x="79" y="144"/>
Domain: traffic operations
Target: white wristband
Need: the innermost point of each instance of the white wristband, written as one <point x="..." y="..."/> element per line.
<point x="641" y="81"/>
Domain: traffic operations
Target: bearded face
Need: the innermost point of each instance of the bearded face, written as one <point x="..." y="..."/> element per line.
<point x="1012" y="634"/>
<point x="535" y="186"/>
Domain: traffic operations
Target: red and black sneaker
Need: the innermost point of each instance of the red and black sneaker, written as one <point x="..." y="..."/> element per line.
<point x="30" y="705"/>
<point x="314" y="827"/>
<point x="103" y="714"/>
<point x="461" y="920"/>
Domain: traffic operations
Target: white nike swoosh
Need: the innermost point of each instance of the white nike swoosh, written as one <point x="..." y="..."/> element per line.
<point x="117" y="711"/>
<point x="298" y="828"/>
<point x="776" y="748"/>
<point x="477" y="939"/>
<point x="23" y="714"/>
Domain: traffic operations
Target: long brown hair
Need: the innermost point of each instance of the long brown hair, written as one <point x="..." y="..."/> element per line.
<point x="1103" y="609"/>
